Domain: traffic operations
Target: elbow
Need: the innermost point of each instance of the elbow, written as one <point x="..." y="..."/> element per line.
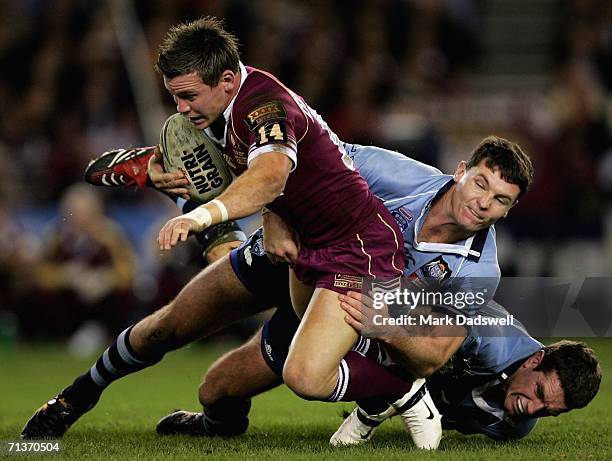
<point x="424" y="371"/>
<point x="269" y="172"/>
<point x="270" y="192"/>
<point x="275" y="185"/>
<point x="428" y="368"/>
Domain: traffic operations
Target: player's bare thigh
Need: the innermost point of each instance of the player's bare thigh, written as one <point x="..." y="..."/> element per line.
<point x="300" y="294"/>
<point x="321" y="341"/>
<point x="241" y="373"/>
<point x="212" y="300"/>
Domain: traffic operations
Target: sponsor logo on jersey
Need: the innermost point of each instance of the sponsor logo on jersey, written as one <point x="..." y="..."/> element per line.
<point x="248" y="258"/>
<point x="230" y="161"/>
<point x="437" y="269"/>
<point x="258" y="248"/>
<point x="233" y="153"/>
<point x="268" y="111"/>
<point x="403" y="217"/>
<point x="201" y="169"/>
<point x="239" y="157"/>
<point x="268" y="350"/>
<point x="348" y="281"/>
<point x="406" y="213"/>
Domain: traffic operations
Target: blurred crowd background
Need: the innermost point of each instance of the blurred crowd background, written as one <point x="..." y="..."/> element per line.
<point x="429" y="78"/>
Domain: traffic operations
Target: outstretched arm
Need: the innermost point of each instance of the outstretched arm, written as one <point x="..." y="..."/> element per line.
<point x="262" y="183"/>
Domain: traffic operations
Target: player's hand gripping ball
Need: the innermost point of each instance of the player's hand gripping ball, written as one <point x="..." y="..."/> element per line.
<point x="186" y="148"/>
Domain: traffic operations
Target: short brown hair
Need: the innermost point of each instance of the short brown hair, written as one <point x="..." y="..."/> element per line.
<point x="514" y="164"/>
<point x="202" y="46"/>
<point x="578" y="370"/>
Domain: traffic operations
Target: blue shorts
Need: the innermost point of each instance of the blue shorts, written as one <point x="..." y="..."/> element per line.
<point x="269" y="283"/>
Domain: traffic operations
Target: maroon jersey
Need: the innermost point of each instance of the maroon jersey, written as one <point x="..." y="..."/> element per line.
<point x="325" y="199"/>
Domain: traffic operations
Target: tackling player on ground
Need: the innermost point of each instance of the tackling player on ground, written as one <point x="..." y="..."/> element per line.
<point x="498" y="383"/>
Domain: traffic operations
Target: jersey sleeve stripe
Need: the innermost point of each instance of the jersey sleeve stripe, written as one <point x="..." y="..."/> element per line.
<point x="288" y="151"/>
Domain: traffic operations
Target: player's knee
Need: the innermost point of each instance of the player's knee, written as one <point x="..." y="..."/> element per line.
<point x="307" y="381"/>
<point x="206" y="394"/>
<point x="213" y="387"/>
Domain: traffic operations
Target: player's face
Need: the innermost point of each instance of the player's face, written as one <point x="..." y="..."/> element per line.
<point x="534" y="393"/>
<point x="201" y="103"/>
<point x="481" y="197"/>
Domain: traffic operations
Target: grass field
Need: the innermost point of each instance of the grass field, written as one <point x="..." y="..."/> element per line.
<point x="122" y="426"/>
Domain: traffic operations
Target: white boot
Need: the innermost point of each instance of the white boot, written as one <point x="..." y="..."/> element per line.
<point x="420" y="416"/>
<point x="359" y="427"/>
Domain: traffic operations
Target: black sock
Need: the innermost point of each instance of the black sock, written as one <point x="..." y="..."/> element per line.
<point x="227" y="417"/>
<point x="373" y="406"/>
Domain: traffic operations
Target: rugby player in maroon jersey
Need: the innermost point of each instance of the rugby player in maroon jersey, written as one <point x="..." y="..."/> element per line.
<point x="287" y="159"/>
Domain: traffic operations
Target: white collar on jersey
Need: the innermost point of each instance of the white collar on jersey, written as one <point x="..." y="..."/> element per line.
<point x="228" y="110"/>
<point x="464" y="250"/>
<point x="479" y="400"/>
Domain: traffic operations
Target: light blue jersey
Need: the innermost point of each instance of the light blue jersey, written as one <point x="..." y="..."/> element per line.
<point x="473" y="400"/>
<point x="408" y="188"/>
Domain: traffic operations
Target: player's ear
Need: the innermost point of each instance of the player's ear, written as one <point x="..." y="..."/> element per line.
<point x="535" y="359"/>
<point x="508" y="210"/>
<point x="228" y="80"/>
<point x="511" y="206"/>
<point x="460" y="170"/>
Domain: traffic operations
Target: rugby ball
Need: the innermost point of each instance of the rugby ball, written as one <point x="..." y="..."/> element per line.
<point x="186" y="148"/>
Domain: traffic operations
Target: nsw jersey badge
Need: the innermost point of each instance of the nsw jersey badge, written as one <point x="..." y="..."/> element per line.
<point x="437" y="269"/>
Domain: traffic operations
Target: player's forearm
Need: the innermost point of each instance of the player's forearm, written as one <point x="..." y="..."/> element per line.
<point x="261" y="184"/>
<point x="422" y="356"/>
<point x="252" y="191"/>
<point x="406" y="353"/>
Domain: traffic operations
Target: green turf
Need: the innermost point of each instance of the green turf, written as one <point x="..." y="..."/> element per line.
<point x="122" y="426"/>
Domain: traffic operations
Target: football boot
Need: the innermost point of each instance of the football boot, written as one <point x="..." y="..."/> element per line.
<point x="53" y="419"/>
<point x="420" y="416"/>
<point x="183" y="422"/>
<point x="358" y="427"/>
<point x="120" y="167"/>
<point x="199" y="424"/>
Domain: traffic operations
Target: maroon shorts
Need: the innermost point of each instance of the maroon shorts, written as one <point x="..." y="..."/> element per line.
<point x="375" y="251"/>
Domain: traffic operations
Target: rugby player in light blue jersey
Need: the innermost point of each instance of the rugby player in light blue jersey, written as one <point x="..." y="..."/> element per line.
<point x="409" y="188"/>
<point x="447" y="220"/>
<point x="498" y="383"/>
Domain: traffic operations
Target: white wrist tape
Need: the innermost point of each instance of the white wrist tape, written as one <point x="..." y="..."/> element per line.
<point x="222" y="209"/>
<point x="201" y="216"/>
